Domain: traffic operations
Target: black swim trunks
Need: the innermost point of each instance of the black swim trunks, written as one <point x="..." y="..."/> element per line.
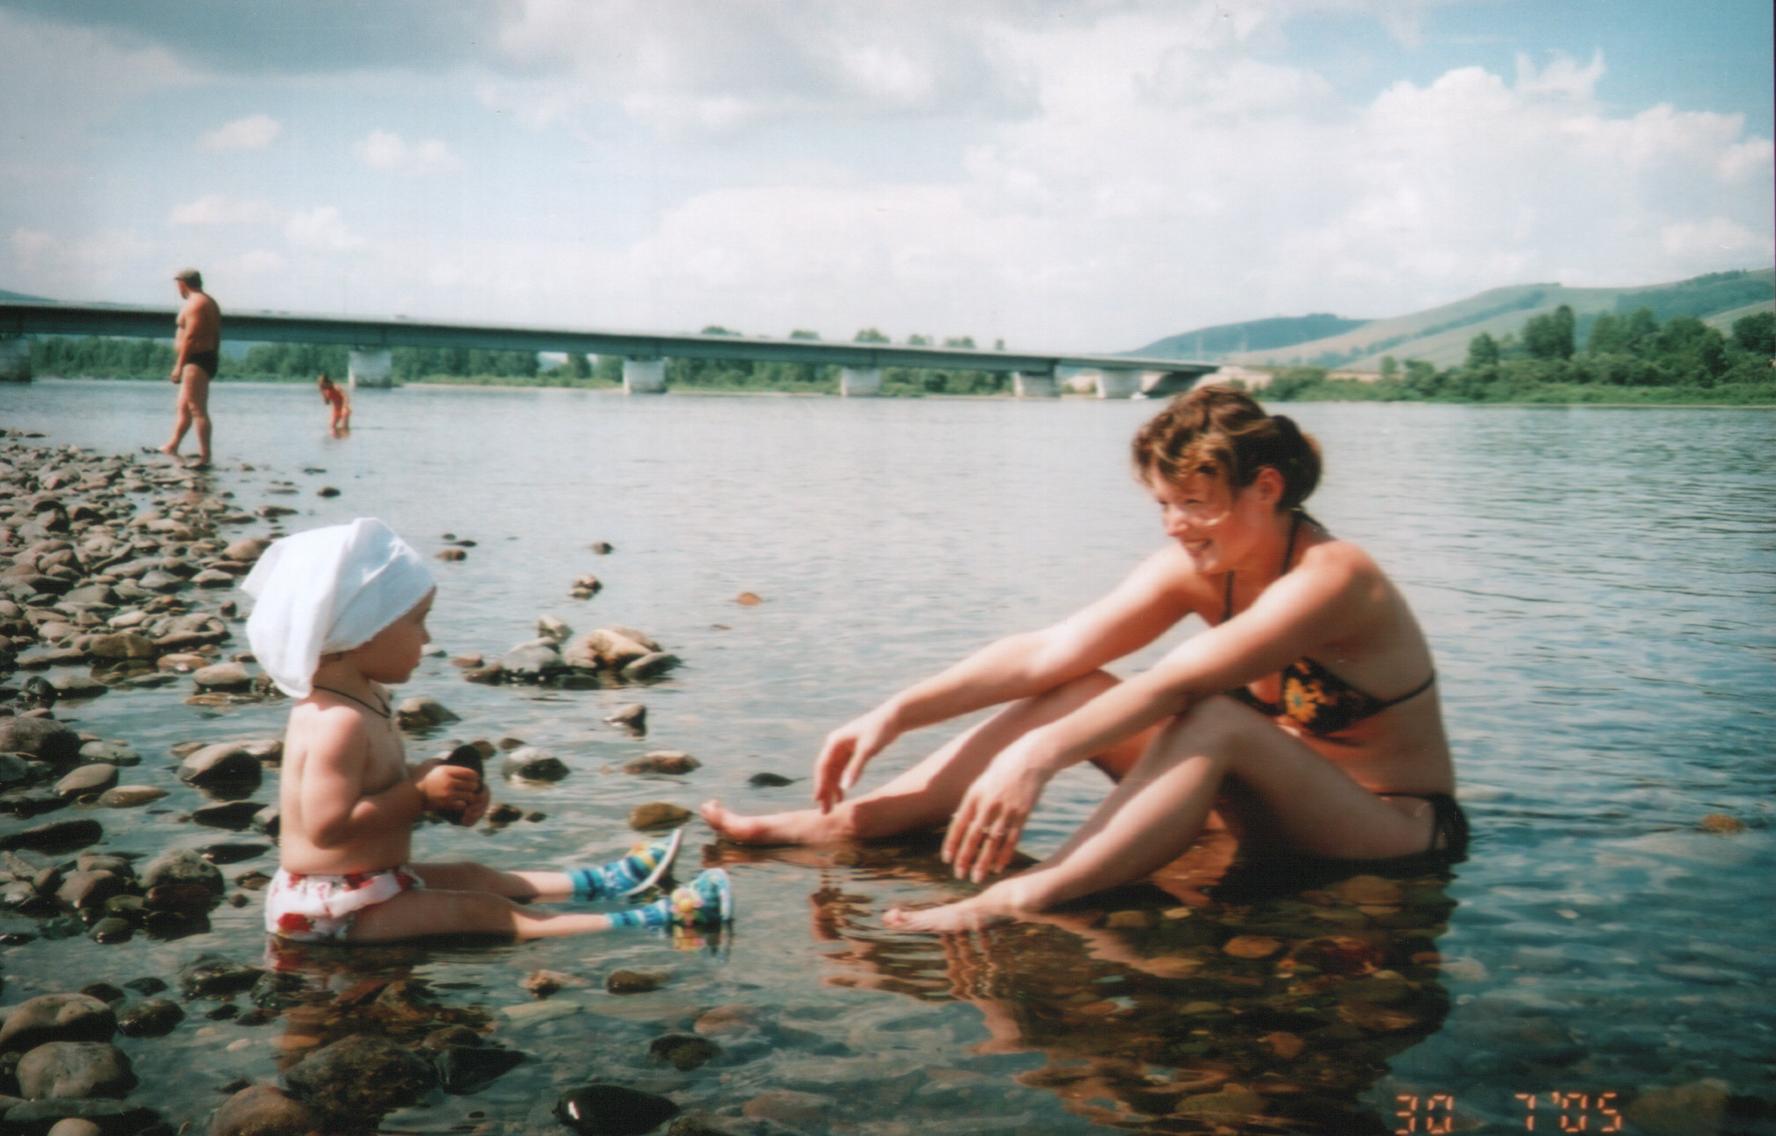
<point x="208" y="360"/>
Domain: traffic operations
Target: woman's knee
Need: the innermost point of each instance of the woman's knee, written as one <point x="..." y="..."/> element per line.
<point x="1211" y="725"/>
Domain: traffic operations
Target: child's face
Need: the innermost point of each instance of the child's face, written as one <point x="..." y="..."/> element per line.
<point x="392" y="653"/>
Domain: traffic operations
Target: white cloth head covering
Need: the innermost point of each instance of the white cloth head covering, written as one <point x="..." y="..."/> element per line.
<point x="327" y="590"/>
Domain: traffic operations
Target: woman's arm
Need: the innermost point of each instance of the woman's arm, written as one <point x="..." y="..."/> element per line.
<point x="1151" y="599"/>
<point x="1310" y="606"/>
<point x="1323" y="600"/>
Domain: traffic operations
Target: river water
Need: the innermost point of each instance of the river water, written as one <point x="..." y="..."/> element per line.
<point x="1599" y="586"/>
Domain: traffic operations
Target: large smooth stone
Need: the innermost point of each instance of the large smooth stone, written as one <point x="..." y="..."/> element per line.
<point x="41" y="739"/>
<point x="613" y="1110"/>
<point x="121" y="645"/>
<point x="56" y="1017"/>
<point x="225" y="763"/>
<point x="533" y="764"/>
<point x="657" y="814"/>
<point x="651" y="665"/>
<point x="87" y="779"/>
<point x="264" y="1110"/>
<point x="57" y="836"/>
<point x="75" y="1069"/>
<point x="182" y="867"/>
<point x="223" y="676"/>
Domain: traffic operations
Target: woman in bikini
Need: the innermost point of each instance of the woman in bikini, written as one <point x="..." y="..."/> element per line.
<point x="1305" y="718"/>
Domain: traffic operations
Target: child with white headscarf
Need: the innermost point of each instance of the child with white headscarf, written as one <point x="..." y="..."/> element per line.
<point x="340" y="612"/>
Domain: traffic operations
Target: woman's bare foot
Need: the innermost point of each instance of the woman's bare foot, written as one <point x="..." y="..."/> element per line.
<point x="971" y="914"/>
<point x="170" y="450"/>
<point x="802" y="826"/>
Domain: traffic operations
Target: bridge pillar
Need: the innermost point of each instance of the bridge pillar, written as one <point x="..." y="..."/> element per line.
<point x="644" y="376"/>
<point x="1118" y="384"/>
<point x="1035" y="384"/>
<point x="15" y="360"/>
<point x="859" y="382"/>
<point x="370" y="367"/>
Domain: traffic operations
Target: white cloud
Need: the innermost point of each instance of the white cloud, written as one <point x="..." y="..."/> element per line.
<point x="684" y="66"/>
<point x="321" y="229"/>
<point x="259" y="262"/>
<point x="255" y="132"/>
<point x="384" y="150"/>
<point x="219" y="209"/>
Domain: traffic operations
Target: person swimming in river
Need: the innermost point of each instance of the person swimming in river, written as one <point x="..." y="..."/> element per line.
<point x="1305" y="719"/>
<point x="339" y="612"/>
<point x="335" y="397"/>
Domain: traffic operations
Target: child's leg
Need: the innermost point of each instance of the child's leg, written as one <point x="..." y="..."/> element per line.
<point x="707" y="901"/>
<point x="430" y="911"/>
<point x="642" y="867"/>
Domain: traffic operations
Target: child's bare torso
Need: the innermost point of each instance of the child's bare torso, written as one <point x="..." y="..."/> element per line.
<point x="383" y="757"/>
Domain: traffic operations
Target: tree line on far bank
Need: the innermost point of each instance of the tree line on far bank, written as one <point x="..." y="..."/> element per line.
<point x="100" y="357"/>
<point x="1628" y="357"/>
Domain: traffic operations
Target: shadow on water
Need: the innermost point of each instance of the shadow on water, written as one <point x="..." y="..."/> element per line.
<point x="1249" y="997"/>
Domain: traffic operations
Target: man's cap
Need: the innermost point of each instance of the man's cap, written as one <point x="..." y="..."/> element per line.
<point x="190" y="276"/>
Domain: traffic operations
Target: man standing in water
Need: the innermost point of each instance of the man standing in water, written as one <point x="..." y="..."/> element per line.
<point x="195" y="344"/>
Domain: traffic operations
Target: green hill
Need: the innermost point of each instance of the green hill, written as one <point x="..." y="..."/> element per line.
<point x="1440" y="335"/>
<point x="1226" y="339"/>
<point x="5" y="295"/>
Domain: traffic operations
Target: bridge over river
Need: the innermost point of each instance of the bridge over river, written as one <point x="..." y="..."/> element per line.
<point x="643" y="353"/>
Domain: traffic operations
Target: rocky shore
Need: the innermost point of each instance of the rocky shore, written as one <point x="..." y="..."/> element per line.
<point x="117" y="572"/>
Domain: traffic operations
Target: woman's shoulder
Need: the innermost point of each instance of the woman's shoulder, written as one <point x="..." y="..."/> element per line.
<point x="1344" y="566"/>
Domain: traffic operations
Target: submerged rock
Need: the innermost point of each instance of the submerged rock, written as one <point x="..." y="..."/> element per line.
<point x="57" y="836"/>
<point x="467" y="1069"/>
<point x="683" y="1051"/>
<point x="264" y="1110"/>
<point x="361" y="1077"/>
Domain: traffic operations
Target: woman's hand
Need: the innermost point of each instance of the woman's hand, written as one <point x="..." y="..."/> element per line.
<point x="984" y="831"/>
<point x="847" y="750"/>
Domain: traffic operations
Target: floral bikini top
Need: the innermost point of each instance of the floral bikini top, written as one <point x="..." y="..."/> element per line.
<point x="1313" y="697"/>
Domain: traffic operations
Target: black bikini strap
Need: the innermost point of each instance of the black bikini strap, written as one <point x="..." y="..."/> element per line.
<point x="1295" y="518"/>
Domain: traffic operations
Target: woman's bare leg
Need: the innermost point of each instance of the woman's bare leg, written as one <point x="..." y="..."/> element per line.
<point x="1160" y="807"/>
<point x="929" y="792"/>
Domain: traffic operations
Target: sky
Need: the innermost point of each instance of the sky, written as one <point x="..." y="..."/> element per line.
<point x="1075" y="175"/>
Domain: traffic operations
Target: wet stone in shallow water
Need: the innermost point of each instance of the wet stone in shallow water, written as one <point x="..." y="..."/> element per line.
<point x="657" y="814"/>
<point x="683" y="1052"/>
<point x="613" y="1110"/>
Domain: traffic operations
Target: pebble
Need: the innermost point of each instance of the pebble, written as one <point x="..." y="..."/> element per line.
<point x="663" y="761"/>
<point x="634" y="981"/>
<point x="656" y="815"/>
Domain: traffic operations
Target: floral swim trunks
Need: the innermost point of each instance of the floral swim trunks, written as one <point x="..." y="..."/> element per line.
<point x="320" y="909"/>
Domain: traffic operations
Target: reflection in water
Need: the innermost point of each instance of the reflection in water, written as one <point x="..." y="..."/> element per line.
<point x="1250" y="998"/>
